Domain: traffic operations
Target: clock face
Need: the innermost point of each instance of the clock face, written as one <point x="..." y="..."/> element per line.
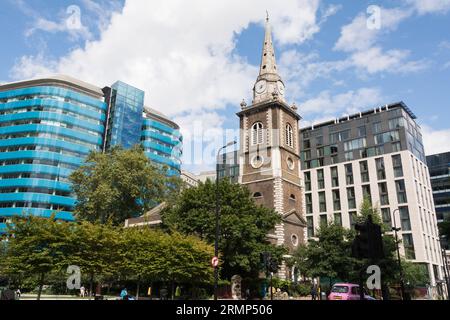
<point x="280" y="87"/>
<point x="260" y="86"/>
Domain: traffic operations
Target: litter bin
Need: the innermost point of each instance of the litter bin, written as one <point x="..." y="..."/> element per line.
<point x="323" y="296"/>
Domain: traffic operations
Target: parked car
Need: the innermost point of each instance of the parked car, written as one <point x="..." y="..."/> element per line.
<point x="347" y="291"/>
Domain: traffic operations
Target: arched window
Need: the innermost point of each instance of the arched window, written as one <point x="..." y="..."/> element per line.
<point x="292" y="197"/>
<point x="257" y="195"/>
<point x="289" y="136"/>
<point x="257" y="133"/>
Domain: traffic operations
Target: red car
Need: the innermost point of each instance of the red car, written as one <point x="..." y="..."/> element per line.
<point x="346" y="291"/>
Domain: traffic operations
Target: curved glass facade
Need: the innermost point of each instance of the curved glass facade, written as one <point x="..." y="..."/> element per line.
<point x="162" y="142"/>
<point x="49" y="126"/>
<point x="46" y="131"/>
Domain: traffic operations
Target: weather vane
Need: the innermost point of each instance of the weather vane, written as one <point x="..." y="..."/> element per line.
<point x="267" y="18"/>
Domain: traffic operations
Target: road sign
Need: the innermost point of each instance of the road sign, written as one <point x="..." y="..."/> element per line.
<point x="215" y="262"/>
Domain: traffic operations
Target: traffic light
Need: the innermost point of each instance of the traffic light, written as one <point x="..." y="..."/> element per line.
<point x="273" y="266"/>
<point x="270" y="264"/>
<point x="368" y="243"/>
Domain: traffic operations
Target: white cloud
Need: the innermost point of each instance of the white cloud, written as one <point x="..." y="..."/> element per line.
<point x="361" y="42"/>
<point x="333" y="106"/>
<point x="375" y="60"/>
<point x="430" y="6"/>
<point x="180" y="52"/>
<point x="435" y="140"/>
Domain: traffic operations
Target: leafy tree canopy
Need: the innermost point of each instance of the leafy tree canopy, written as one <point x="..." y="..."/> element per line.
<point x="120" y="184"/>
<point x="243" y="224"/>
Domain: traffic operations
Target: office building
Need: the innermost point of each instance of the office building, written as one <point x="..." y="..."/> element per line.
<point x="377" y="154"/>
<point x="47" y="128"/>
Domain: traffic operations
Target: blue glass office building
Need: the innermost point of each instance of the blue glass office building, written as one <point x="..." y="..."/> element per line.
<point x="125" y="115"/>
<point x="162" y="141"/>
<point x="47" y="128"/>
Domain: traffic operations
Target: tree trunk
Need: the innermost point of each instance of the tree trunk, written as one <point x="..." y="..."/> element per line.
<point x="41" y="284"/>
<point x="91" y="285"/>
<point x="173" y="290"/>
<point x="138" y="287"/>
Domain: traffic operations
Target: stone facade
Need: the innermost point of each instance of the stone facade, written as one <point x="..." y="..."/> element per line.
<point x="270" y="155"/>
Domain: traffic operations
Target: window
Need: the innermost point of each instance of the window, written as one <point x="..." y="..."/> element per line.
<point x="338" y="219"/>
<point x="364" y="171"/>
<point x="320" y="179"/>
<point x="292" y="197"/>
<point x="366" y="192"/>
<point x="352" y="216"/>
<point x="334" y="177"/>
<point x="386" y="217"/>
<point x="362" y="131"/>
<point x="333" y="149"/>
<point x="310" y="226"/>
<point x="336" y="200"/>
<point x="397" y="165"/>
<point x="349" y="173"/>
<point x="384" y="196"/>
<point x="339" y="136"/>
<point x="381" y="173"/>
<point x="404" y="219"/>
<point x="320" y="152"/>
<point x="307" y="181"/>
<point x="308" y="200"/>
<point x="396" y="147"/>
<point x="351" y="198"/>
<point x="323" y="220"/>
<point x="257" y="195"/>
<point x="319" y="141"/>
<point x="322" y="202"/>
<point x="306" y="144"/>
<point x="396" y="123"/>
<point x="401" y="191"/>
<point x="377" y="127"/>
<point x="348" y="156"/>
<point x="408" y="244"/>
<point x="257" y="133"/>
<point x="355" y="144"/>
<point x="289" y="136"/>
<point x="390" y="136"/>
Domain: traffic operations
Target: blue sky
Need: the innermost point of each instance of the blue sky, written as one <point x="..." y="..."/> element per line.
<point x="197" y="59"/>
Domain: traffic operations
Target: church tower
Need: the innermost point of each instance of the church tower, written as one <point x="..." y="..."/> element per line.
<point x="269" y="152"/>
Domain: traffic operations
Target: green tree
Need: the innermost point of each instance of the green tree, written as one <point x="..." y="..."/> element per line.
<point x="95" y="249"/>
<point x="444" y="228"/>
<point x="329" y="256"/>
<point x="39" y="246"/>
<point x="153" y="255"/>
<point x="243" y="224"/>
<point x="120" y="184"/>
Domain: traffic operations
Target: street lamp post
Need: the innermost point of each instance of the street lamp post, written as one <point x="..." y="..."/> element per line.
<point x="395" y="229"/>
<point x="216" y="241"/>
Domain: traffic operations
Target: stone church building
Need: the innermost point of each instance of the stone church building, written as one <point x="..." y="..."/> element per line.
<point x="269" y="157"/>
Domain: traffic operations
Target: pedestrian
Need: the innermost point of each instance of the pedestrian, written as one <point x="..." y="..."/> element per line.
<point x="247" y="294"/>
<point x="314" y="292"/>
<point x="18" y="293"/>
<point x="82" y="291"/>
<point x="124" y="294"/>
<point x="177" y="292"/>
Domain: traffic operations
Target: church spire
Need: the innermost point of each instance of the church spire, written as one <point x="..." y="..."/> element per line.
<point x="268" y="61"/>
<point x="269" y="84"/>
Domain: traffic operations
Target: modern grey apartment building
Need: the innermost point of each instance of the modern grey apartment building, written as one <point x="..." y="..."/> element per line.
<point x="379" y="154"/>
